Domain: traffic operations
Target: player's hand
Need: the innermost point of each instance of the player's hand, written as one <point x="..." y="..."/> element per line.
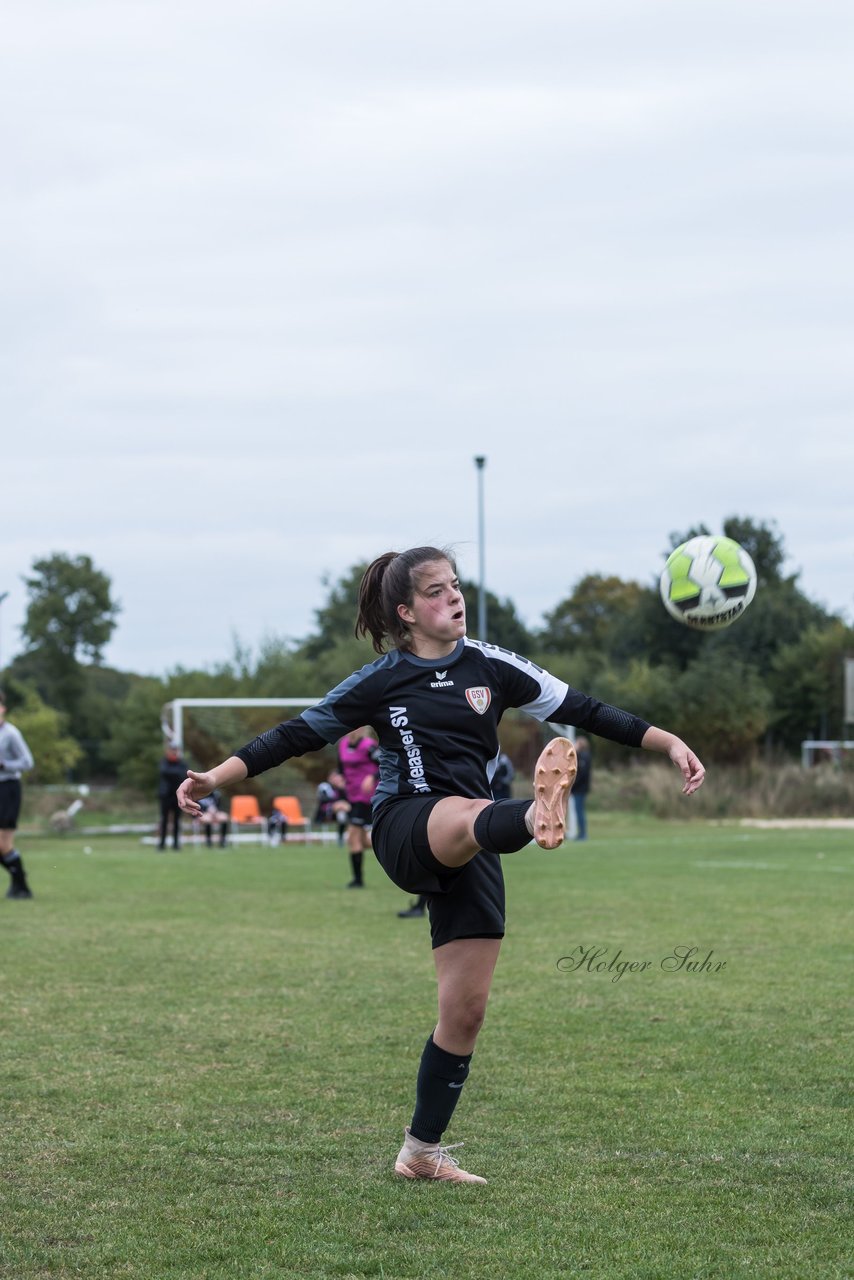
<point x="689" y="765"/>
<point x="193" y="789"/>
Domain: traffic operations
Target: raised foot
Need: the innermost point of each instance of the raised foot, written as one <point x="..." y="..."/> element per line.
<point x="554" y="775"/>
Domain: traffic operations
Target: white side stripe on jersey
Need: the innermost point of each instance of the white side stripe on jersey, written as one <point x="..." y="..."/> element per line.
<point x="552" y="691"/>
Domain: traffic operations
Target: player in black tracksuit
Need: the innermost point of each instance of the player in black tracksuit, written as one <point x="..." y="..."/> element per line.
<point x="173" y="770"/>
<point x="435" y="702"/>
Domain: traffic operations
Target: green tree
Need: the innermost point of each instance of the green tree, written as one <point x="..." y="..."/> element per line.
<point x="70" y="616"/>
<point x="135" y="748"/>
<point x="721" y="707"/>
<point x="335" y="619"/>
<point x="807" y="685"/>
<point x="779" y="615"/>
<point x="99" y="712"/>
<point x="70" y="606"/>
<point x="660" y="638"/>
<point x="599" y="615"/>
<point x="54" y="752"/>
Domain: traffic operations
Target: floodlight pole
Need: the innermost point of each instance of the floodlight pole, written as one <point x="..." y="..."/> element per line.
<point x="3" y="596"/>
<point x="480" y="463"/>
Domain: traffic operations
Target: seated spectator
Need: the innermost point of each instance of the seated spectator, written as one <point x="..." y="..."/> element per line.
<point x="332" y="806"/>
<point x="277" y="827"/>
<point x="214" y="815"/>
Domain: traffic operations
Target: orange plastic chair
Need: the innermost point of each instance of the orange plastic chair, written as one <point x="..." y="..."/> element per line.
<point x="291" y="810"/>
<point x="245" y="809"/>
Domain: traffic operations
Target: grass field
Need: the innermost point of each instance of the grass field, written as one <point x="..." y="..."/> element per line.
<point x="208" y="1059"/>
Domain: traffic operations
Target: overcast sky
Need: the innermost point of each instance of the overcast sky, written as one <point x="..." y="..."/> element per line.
<point x="274" y="272"/>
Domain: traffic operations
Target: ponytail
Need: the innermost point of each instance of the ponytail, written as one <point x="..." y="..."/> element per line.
<point x="386" y="583"/>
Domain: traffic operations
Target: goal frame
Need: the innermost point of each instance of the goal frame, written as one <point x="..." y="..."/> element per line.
<point x="172" y="715"/>
<point x="810" y="746"/>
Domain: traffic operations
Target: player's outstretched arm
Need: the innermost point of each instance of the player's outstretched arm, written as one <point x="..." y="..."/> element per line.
<point x="688" y="764"/>
<point x="198" y="785"/>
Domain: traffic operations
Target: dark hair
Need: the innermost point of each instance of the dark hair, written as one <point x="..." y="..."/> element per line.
<point x="386" y="583"/>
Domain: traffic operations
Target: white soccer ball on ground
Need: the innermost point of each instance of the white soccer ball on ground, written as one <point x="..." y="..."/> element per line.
<point x="708" y="582"/>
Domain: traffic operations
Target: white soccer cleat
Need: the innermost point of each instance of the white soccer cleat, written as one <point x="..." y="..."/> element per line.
<point x="430" y="1160"/>
<point x="553" y="778"/>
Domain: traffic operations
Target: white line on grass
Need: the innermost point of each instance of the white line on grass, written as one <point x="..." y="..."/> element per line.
<point x="767" y="866"/>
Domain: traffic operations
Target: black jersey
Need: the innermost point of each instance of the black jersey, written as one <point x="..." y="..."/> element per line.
<point x="437" y="722"/>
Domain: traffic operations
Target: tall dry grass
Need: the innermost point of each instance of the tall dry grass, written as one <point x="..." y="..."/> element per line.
<point x="757" y="790"/>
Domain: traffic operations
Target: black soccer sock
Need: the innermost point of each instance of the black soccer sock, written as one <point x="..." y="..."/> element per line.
<point x="356" y="860"/>
<point x="208" y="835"/>
<point x="13" y="864"/>
<point x="223" y="834"/>
<point x="441" y="1077"/>
<point x="501" y="828"/>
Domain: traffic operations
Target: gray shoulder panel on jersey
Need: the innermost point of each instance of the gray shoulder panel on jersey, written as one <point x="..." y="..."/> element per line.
<point x="552" y="691"/>
<point x="324" y="718"/>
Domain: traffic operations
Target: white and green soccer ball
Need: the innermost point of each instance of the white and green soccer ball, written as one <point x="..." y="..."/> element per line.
<point x="708" y="582"/>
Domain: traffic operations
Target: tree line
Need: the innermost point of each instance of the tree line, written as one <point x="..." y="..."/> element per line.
<point x="762" y="685"/>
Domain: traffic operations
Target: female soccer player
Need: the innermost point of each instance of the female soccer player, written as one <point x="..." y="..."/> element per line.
<point x="15" y="759"/>
<point x="435" y="699"/>
<point x="357" y="756"/>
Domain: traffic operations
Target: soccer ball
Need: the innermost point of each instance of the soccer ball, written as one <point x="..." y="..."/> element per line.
<point x="708" y="582"/>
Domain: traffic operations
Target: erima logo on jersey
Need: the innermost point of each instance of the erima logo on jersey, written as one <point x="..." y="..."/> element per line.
<point x="479" y="698"/>
<point x="440" y="682"/>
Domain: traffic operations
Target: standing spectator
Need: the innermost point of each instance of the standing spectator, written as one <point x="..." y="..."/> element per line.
<point x="173" y="771"/>
<point x="15" y="759"/>
<point x="503" y="777"/>
<point x="358" y="753"/>
<point x="581" y="786"/>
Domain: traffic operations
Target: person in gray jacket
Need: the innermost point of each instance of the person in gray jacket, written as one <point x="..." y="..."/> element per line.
<point x="15" y="759"/>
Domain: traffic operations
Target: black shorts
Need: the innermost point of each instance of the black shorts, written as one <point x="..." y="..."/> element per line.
<point x="360" y="813"/>
<point x="463" y="902"/>
<point x="10" y="803"/>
